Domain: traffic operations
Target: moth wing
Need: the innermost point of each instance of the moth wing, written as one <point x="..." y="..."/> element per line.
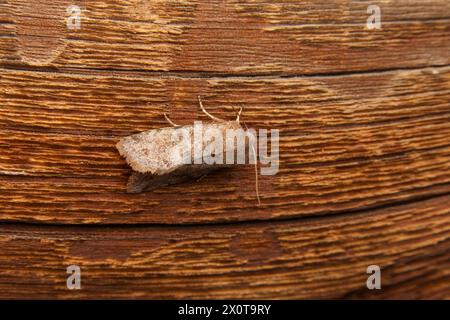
<point x="154" y="151"/>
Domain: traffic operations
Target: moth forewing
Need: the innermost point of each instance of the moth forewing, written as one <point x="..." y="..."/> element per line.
<point x="171" y="155"/>
<point x="150" y="151"/>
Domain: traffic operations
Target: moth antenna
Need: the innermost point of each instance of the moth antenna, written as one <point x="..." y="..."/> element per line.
<point x="256" y="177"/>
<point x="170" y="121"/>
<point x="206" y="112"/>
<point x="256" y="163"/>
<point x="239" y="114"/>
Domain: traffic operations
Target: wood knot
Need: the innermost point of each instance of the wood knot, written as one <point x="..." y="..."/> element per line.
<point x="40" y="29"/>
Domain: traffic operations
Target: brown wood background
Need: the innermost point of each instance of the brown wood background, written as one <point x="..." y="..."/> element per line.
<point x="364" y="120"/>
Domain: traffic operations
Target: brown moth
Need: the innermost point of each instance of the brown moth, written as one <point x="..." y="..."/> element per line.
<point x="159" y="158"/>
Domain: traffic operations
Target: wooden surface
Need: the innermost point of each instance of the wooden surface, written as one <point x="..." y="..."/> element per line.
<point x="364" y="120"/>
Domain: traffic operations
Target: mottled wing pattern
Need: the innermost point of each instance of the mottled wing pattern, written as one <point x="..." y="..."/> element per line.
<point x="150" y="151"/>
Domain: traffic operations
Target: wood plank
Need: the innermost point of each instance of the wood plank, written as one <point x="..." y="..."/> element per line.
<point x="201" y="36"/>
<point x="319" y="258"/>
<point x="117" y="105"/>
<point x="341" y="147"/>
<point x="364" y="153"/>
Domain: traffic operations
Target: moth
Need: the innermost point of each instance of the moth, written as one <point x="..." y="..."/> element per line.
<point x="159" y="157"/>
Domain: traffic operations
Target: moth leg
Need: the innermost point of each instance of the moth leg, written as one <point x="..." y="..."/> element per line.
<point x="170" y="121"/>
<point x="202" y="177"/>
<point x="206" y="112"/>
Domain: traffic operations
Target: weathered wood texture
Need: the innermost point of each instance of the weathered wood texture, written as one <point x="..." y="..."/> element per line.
<point x="364" y="172"/>
<point x="344" y="145"/>
<point x="242" y="37"/>
<point x="316" y="258"/>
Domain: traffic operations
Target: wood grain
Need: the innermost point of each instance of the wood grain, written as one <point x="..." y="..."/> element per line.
<point x="239" y="37"/>
<point x="364" y="174"/>
<point x="318" y="258"/>
<point x="341" y="148"/>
